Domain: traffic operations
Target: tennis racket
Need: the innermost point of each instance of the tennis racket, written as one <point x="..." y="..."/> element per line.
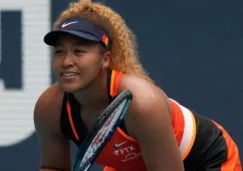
<point x="102" y="131"/>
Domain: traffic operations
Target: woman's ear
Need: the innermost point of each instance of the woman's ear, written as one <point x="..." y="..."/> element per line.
<point x="106" y="60"/>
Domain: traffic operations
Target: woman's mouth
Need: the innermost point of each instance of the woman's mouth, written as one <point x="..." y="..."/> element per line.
<point x="69" y="74"/>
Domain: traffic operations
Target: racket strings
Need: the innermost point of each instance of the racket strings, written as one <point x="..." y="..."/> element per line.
<point x="102" y="134"/>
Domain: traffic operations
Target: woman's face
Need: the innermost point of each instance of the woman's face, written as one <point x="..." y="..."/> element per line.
<point x="77" y="62"/>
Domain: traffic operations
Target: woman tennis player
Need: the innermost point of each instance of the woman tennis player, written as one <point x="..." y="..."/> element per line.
<point x="95" y="58"/>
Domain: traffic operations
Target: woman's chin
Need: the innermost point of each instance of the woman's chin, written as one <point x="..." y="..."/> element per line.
<point x="70" y="88"/>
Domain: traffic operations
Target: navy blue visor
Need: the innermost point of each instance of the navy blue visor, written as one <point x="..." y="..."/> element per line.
<point x="78" y="27"/>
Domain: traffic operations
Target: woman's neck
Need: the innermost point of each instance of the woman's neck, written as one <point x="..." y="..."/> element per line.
<point x="96" y="94"/>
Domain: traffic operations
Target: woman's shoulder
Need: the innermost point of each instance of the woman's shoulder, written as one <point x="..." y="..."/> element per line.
<point x="144" y="91"/>
<point x="148" y="100"/>
<point x="51" y="97"/>
<point x="137" y="83"/>
<point x="48" y="107"/>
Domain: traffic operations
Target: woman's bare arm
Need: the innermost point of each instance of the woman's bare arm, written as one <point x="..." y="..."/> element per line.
<point x="55" y="149"/>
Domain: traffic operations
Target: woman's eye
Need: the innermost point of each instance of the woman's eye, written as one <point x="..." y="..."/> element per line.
<point x="57" y="52"/>
<point x="78" y="52"/>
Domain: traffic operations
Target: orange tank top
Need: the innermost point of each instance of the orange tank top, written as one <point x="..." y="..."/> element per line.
<point x="122" y="152"/>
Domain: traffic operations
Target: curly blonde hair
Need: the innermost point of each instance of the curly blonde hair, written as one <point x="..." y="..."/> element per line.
<point x="124" y="47"/>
